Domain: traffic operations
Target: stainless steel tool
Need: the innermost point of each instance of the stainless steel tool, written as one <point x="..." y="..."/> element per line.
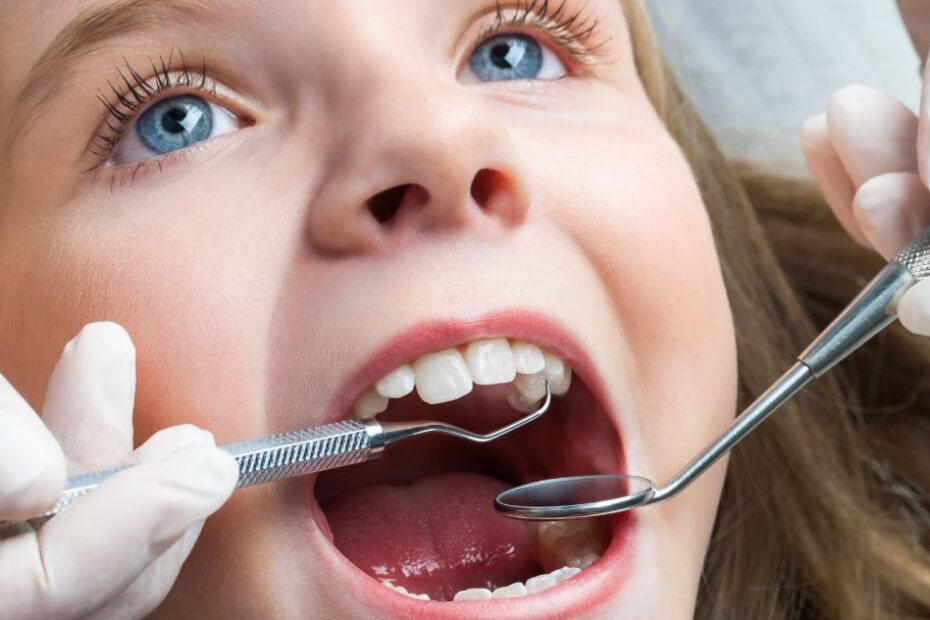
<point x="296" y="453"/>
<point x="867" y="314"/>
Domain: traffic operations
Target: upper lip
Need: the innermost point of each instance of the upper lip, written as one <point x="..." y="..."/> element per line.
<point x="435" y="335"/>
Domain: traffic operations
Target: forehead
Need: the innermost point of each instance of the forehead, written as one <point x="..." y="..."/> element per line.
<point x="34" y="32"/>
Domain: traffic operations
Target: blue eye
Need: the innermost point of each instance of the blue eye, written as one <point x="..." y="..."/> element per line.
<point x="512" y="56"/>
<point x="171" y="124"/>
<point x="174" y="123"/>
<point x="507" y="57"/>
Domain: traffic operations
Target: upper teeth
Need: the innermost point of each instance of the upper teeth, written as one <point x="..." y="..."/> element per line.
<point x="450" y="374"/>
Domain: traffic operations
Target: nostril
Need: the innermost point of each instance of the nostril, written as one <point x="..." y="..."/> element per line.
<point x="384" y="205"/>
<point x="485" y="185"/>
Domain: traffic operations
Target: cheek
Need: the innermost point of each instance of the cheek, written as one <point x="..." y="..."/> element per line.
<point x="637" y="212"/>
<point x="187" y="294"/>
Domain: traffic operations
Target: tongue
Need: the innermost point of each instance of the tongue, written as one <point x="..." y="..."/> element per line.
<point x="436" y="536"/>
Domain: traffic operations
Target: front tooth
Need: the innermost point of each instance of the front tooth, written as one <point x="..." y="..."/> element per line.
<point x="473" y="594"/>
<point x="539" y="583"/>
<point x="369" y="405"/>
<point x="490" y="361"/>
<point x="441" y="376"/>
<point x="527" y="357"/>
<point x="557" y="373"/>
<point x="397" y="383"/>
<point x="514" y="589"/>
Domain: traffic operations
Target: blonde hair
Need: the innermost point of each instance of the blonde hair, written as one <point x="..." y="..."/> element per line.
<point x="824" y="512"/>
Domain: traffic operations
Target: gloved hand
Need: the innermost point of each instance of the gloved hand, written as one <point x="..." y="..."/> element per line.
<point x="871" y="157"/>
<point x="115" y="552"/>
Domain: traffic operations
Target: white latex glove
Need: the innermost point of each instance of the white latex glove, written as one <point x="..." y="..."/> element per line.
<point x="871" y="157"/>
<point x="115" y="552"/>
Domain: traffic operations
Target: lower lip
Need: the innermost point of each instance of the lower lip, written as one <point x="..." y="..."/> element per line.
<point x="584" y="592"/>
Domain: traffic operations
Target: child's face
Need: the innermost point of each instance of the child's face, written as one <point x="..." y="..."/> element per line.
<point x="260" y="289"/>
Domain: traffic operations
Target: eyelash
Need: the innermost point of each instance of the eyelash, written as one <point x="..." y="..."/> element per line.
<point x="574" y="32"/>
<point x="123" y="106"/>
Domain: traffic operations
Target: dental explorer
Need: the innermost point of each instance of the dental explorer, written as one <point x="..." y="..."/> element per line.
<point x="874" y="308"/>
<point x="296" y="453"/>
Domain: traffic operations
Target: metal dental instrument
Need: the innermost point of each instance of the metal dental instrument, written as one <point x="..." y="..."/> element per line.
<point x="296" y="453"/>
<point x="868" y="313"/>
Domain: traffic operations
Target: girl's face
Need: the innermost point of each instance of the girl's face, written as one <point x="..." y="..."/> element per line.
<point x="284" y="202"/>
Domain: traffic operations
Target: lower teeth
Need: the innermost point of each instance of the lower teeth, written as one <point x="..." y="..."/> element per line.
<point x="572" y="544"/>
<point x="403" y="590"/>
<point x="533" y="585"/>
<point x="575" y="542"/>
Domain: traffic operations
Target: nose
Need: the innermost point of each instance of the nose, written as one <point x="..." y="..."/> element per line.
<point x="418" y="157"/>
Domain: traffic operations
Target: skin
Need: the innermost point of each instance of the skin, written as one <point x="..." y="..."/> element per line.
<point x="252" y="278"/>
<point x="916" y="17"/>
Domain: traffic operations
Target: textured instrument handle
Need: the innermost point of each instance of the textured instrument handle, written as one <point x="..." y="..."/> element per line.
<point x="915" y="256"/>
<point x="287" y="455"/>
<point x="301" y="452"/>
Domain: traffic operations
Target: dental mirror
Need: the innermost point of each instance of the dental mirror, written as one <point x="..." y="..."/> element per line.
<point x="575" y="497"/>
<point x="873" y="309"/>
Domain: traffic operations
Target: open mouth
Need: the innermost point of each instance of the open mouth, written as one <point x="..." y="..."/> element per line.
<point x="420" y="520"/>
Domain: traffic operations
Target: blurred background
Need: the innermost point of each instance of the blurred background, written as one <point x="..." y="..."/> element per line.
<point x="757" y="69"/>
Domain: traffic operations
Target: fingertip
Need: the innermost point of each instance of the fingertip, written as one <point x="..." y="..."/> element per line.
<point x="874" y="195"/>
<point x="172" y="439"/>
<point x="106" y="337"/>
<point x="872" y="132"/>
<point x="828" y="171"/>
<point x="188" y="486"/>
<point x="841" y="107"/>
<point x="224" y="472"/>
<point x="880" y="210"/>
<point x="207" y="470"/>
<point x="813" y="133"/>
<point x="858" y="102"/>
<point x="892" y="209"/>
<point x="914" y="309"/>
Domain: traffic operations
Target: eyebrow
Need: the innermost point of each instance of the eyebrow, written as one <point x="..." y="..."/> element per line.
<point x="94" y="26"/>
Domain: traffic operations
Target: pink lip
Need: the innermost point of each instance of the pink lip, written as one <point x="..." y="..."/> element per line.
<point x="585" y="591"/>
